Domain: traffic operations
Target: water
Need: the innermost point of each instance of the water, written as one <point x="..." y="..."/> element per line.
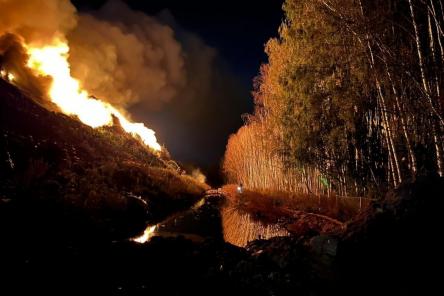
<point x="240" y="228"/>
<point x="212" y="217"/>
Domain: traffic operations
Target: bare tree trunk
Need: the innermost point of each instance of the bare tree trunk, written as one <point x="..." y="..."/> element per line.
<point x="389" y="139"/>
<point x="421" y="64"/>
<point x="412" y="157"/>
<point x="437" y="128"/>
<point x="438" y="30"/>
<point x="439" y="160"/>
<point x="397" y="178"/>
<point x="432" y="47"/>
<point x="396" y="172"/>
<point x="442" y="9"/>
<point x="419" y="52"/>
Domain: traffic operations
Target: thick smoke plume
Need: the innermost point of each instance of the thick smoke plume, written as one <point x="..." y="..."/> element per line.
<point x="119" y="55"/>
<point x="37" y="21"/>
<point x="34" y="22"/>
<point x="148" y="65"/>
<point x="13" y="59"/>
<point x="126" y="56"/>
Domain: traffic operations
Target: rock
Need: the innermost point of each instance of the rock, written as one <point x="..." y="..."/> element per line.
<point x="324" y="245"/>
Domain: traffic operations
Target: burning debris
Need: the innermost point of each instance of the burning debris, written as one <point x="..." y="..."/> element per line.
<point x="7" y="76"/>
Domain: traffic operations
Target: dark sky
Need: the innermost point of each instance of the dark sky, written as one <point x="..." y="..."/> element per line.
<point x="238" y="30"/>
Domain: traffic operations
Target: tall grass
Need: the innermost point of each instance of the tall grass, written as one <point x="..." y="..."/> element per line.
<point x="269" y="206"/>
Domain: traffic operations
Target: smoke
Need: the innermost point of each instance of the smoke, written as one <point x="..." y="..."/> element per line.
<point x="119" y="55"/>
<point x="13" y="59"/>
<point x="162" y="74"/>
<point x="197" y="123"/>
<point x="148" y="65"/>
<point x="199" y="176"/>
<point x="37" y="21"/>
<point x="125" y="57"/>
<point x="32" y="22"/>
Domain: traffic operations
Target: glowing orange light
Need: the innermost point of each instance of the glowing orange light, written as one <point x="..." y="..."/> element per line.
<point x="147" y="234"/>
<point x="65" y="92"/>
<point x="7" y="75"/>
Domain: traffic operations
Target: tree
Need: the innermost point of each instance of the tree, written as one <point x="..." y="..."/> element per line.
<point x="352" y="93"/>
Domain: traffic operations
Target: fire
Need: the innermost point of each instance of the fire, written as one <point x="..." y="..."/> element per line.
<point x="147" y="234"/>
<point x="9" y="76"/>
<point x="66" y="93"/>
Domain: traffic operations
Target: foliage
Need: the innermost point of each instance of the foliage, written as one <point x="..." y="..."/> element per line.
<point x="277" y="207"/>
<point x="349" y="101"/>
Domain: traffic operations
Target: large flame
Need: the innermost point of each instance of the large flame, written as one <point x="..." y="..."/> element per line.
<point x="66" y="93"/>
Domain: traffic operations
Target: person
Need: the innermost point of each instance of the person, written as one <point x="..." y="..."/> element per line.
<point x="240" y="188"/>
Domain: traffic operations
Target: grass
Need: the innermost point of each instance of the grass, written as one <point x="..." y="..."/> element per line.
<point x="270" y="207"/>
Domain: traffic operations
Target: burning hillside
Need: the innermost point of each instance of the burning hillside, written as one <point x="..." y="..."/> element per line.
<point x="128" y="65"/>
<point x="56" y="165"/>
<point x="88" y="155"/>
<point x="65" y="92"/>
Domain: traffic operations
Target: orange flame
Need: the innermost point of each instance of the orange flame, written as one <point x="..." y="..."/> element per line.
<point x="149" y="232"/>
<point x="7" y="75"/>
<point x="66" y="93"/>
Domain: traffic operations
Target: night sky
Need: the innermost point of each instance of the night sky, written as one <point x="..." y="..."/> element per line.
<point x="237" y="30"/>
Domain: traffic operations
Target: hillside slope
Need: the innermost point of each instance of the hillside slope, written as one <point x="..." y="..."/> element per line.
<point x="59" y="172"/>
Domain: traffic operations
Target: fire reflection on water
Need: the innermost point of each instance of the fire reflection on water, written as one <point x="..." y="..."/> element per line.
<point x="240" y="228"/>
<point x="147" y="235"/>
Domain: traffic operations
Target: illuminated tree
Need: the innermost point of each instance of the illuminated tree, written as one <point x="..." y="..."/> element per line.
<point x="352" y="94"/>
